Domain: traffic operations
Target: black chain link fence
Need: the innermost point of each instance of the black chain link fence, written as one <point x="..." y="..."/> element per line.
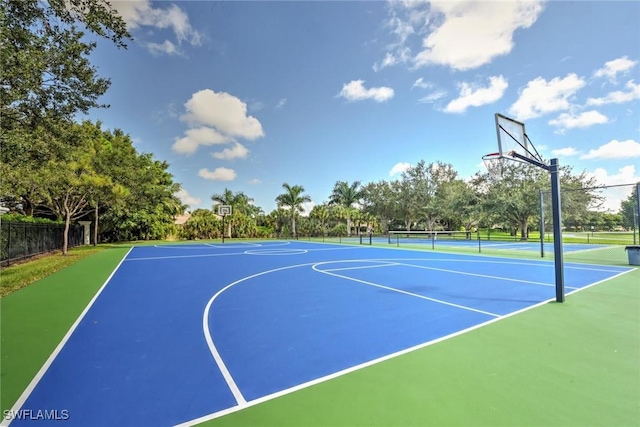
<point x="21" y="240"/>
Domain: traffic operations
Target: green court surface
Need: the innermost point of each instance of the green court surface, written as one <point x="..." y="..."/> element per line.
<point x="571" y="364"/>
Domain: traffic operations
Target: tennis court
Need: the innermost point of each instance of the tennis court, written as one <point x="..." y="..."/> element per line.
<point x="460" y="239"/>
<point x="186" y="333"/>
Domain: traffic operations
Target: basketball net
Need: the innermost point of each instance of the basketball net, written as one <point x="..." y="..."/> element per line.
<point x="495" y="164"/>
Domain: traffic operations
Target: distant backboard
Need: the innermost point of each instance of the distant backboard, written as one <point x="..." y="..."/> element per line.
<point x="224" y="210"/>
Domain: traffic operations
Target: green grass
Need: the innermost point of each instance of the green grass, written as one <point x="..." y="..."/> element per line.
<point x="20" y="275"/>
<point x="556" y="365"/>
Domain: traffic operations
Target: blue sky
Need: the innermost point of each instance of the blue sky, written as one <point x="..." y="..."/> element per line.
<point x="250" y="95"/>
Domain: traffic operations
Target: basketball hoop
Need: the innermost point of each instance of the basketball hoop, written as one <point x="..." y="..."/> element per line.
<point x="495" y="164"/>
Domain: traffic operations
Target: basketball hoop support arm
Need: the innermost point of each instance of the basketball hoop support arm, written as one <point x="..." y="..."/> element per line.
<point x="554" y="169"/>
<point x="530" y="161"/>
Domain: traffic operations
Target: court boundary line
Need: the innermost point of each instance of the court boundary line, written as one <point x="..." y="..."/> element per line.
<point x="239" y="245"/>
<point x="52" y="357"/>
<point x="231" y="253"/>
<point x="468" y="256"/>
<point x="272" y="396"/>
<point x="485" y="276"/>
<point x="389" y="288"/>
<point x="587" y="250"/>
<point x="235" y="390"/>
<point x="195" y="246"/>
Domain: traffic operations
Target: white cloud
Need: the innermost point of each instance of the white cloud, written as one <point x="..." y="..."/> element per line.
<point x="624" y="175"/>
<point x="541" y="97"/>
<point x="433" y="97"/>
<point x="401" y="56"/>
<point x="219" y="174"/>
<point x="238" y="151"/>
<point x="187" y="198"/>
<point x="618" y="66"/>
<point x="420" y="83"/>
<point x="142" y="13"/>
<point x="614" y="196"/>
<point x="166" y="48"/>
<point x="582" y="120"/>
<point x="468" y="34"/>
<point x="281" y="103"/>
<point x="196" y="137"/>
<point x="565" y="152"/>
<point x="224" y="112"/>
<point x="255" y="181"/>
<point x="618" y="96"/>
<point x="615" y="149"/>
<point x="308" y="207"/>
<point x="355" y="91"/>
<point x="473" y="96"/>
<point x="399" y="168"/>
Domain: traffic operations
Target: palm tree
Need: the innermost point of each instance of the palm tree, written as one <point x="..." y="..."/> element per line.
<point x="239" y="202"/>
<point x="321" y="214"/>
<point x="346" y="195"/>
<point x="293" y="199"/>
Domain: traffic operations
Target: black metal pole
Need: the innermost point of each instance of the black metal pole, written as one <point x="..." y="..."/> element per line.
<point x="637" y="212"/>
<point x="541" y="224"/>
<point x="557" y="229"/>
<point x="223" y="229"/>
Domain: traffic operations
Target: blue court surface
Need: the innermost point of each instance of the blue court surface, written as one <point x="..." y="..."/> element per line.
<point x="184" y="333"/>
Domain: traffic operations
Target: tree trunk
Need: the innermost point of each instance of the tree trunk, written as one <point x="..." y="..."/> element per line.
<point x="293" y="226"/>
<point x="524" y="230"/>
<point x="65" y="237"/>
<point x="95" y="227"/>
<point x="348" y="226"/>
<point x="27" y="206"/>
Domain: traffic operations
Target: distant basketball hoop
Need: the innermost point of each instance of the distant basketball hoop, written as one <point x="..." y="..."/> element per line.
<point x="223" y="211"/>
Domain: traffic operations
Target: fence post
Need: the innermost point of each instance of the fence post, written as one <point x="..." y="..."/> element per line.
<point x="638" y="212"/>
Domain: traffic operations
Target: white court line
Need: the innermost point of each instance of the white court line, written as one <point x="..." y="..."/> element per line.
<point x="487" y="276"/>
<point x="494" y="260"/>
<point x="183" y="256"/>
<point x="196" y="421"/>
<point x="403" y="292"/>
<point x="34" y="382"/>
<point x="199" y="246"/>
<point x="390" y="264"/>
<point x="298" y="387"/>
<point x="233" y="253"/>
<point x="586" y="250"/>
<point x="231" y="383"/>
<point x="237" y="245"/>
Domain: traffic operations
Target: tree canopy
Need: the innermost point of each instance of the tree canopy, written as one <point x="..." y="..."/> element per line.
<point x="46" y="72"/>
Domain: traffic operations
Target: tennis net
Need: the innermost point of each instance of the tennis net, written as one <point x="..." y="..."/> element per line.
<point x="431" y="236"/>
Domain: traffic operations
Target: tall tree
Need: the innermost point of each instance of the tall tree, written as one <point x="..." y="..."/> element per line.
<point x="346" y="195"/>
<point x="629" y="210"/>
<point x="321" y="214"/>
<point x="459" y="205"/>
<point x="514" y="196"/>
<point x="46" y="73"/>
<point x="292" y="199"/>
<point x="70" y="181"/>
<point x="380" y="200"/>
